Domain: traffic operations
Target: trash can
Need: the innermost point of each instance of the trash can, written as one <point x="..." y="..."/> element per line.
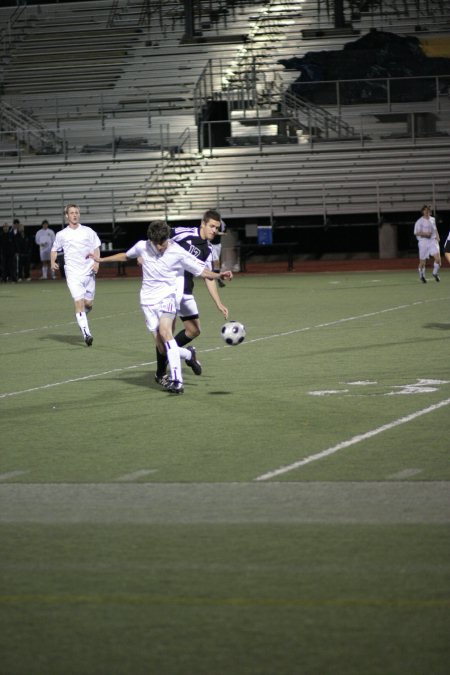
<point x="264" y="234"/>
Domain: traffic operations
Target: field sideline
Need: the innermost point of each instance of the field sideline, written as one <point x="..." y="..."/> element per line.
<point x="289" y="514"/>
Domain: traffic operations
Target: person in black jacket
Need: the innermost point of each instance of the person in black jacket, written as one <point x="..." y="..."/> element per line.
<point x="23" y="249"/>
<point x="8" y="254"/>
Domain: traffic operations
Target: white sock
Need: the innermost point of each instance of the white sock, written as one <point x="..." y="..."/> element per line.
<point x="436" y="268"/>
<point x="82" y="322"/>
<point x="421" y="271"/>
<point x="44" y="271"/>
<point x="173" y="356"/>
<point x="184" y="353"/>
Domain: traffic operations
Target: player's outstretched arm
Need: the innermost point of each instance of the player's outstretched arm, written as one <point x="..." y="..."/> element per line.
<point x="207" y="274"/>
<point x="117" y="257"/>
<point x="212" y="290"/>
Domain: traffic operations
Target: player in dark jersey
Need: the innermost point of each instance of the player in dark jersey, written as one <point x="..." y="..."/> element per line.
<point x="447" y="248"/>
<point x="196" y="240"/>
<point x="217" y="250"/>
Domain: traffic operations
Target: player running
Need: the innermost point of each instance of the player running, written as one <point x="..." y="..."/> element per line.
<point x="163" y="264"/>
<point x="197" y="241"/>
<point x="77" y="241"/>
<point x="427" y="236"/>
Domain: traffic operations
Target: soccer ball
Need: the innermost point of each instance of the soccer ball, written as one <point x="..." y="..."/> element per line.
<point x="233" y="333"/>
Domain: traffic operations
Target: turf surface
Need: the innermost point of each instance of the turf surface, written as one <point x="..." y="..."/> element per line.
<point x="287" y="515"/>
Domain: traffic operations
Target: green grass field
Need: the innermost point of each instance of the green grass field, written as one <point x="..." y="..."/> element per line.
<point x="288" y="515"/>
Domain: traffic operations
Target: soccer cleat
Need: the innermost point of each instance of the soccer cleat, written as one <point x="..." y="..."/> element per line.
<point x="88" y="338"/>
<point x="436" y="277"/>
<point x="422" y="279"/>
<point x="175" y="387"/>
<point x="193" y="362"/>
<point x="163" y="380"/>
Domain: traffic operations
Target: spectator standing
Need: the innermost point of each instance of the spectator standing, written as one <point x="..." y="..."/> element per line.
<point x="23" y="247"/>
<point x="44" y="239"/>
<point x="15" y="236"/>
<point x="8" y="254"/>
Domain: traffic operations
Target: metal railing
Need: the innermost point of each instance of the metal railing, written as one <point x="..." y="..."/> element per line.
<point x="7" y="34"/>
<point x="29" y="132"/>
<point x="325" y="199"/>
<point x="25" y="143"/>
<point x="388" y="91"/>
<point x="412" y="127"/>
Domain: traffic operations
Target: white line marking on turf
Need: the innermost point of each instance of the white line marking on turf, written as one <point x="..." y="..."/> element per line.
<point x="11" y="474"/>
<point x="66" y="323"/>
<point x="337" y="322"/>
<point x="362" y="383"/>
<point x="327" y="392"/>
<point x="406" y="473"/>
<point x="352" y="441"/>
<point x="135" y="475"/>
<point x="76" y="379"/>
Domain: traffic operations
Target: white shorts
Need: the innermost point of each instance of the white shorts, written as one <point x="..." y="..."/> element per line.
<point x="44" y="254"/>
<point x="153" y="313"/>
<point x="427" y="248"/>
<point x="81" y="287"/>
<point x="188" y="307"/>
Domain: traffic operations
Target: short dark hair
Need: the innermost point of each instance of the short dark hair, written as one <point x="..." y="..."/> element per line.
<point x="211" y="214"/>
<point x="158" y="231"/>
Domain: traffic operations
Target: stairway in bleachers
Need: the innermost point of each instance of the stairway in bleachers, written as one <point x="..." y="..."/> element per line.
<point x="123" y="161"/>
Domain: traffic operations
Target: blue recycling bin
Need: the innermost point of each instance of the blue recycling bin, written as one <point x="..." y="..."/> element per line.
<point x="264" y="234"/>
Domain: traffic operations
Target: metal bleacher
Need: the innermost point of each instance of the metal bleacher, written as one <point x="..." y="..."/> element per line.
<point x="328" y="182"/>
<point x="124" y="109"/>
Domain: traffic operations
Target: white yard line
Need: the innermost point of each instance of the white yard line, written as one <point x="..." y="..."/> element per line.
<point x="75" y="379"/>
<point x="352" y="441"/>
<point x="135" y="475"/>
<point x="37" y="329"/>
<point x="406" y="473"/>
<point x="11" y="474"/>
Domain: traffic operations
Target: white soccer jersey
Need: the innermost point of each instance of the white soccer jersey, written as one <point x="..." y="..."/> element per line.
<point x="44" y="239"/>
<point x="77" y="243"/>
<point x="162" y="272"/>
<point x="427" y="225"/>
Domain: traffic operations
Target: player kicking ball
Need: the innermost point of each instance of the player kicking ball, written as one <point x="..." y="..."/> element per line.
<point x="163" y="264"/>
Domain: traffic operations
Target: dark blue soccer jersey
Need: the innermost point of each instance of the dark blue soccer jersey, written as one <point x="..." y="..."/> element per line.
<point x="189" y="238"/>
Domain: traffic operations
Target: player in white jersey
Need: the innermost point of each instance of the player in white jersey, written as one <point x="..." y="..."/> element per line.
<point x="196" y="240"/>
<point x="77" y="242"/>
<point x="44" y="239"/>
<point x="427" y="236"/>
<point x="163" y="265"/>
